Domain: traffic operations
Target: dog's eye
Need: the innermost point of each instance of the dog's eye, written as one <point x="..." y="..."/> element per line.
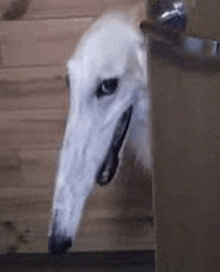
<point x="107" y="87"/>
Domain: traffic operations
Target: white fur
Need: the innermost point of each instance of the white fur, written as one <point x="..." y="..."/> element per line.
<point x="112" y="47"/>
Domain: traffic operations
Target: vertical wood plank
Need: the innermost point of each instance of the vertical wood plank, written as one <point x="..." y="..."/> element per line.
<point x="186" y="106"/>
<point x="186" y="129"/>
<point x="203" y="18"/>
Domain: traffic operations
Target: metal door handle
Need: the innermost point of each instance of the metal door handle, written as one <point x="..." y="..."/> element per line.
<point x="169" y="24"/>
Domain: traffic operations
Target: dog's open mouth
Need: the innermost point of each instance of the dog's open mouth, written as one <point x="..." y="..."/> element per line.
<point x="108" y="168"/>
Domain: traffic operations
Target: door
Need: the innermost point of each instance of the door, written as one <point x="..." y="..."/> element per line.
<point x="185" y="85"/>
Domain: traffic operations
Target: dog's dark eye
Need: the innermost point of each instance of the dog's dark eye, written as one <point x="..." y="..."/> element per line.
<point x="107" y="87"/>
<point x="67" y="81"/>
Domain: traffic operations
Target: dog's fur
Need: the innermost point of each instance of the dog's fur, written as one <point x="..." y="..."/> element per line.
<point x="111" y="48"/>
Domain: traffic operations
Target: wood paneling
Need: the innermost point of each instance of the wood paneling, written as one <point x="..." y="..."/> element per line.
<point x="40" y="43"/>
<point x="186" y="128"/>
<point x="32" y="72"/>
<point x="186" y="105"/>
<point x="204" y="18"/>
<point x="44" y="9"/>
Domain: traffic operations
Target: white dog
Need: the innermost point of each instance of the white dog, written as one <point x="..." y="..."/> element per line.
<point x="109" y="105"/>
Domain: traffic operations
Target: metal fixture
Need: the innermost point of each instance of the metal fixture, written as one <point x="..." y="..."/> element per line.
<point x="169" y="25"/>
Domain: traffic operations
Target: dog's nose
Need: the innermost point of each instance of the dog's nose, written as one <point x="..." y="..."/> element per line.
<point x="58" y="243"/>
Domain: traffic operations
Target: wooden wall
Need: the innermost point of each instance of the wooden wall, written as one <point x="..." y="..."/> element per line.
<point x="39" y="36"/>
<point x="186" y="128"/>
<point x="36" y="39"/>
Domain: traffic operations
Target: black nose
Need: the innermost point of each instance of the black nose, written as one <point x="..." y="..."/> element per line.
<point x="59" y="244"/>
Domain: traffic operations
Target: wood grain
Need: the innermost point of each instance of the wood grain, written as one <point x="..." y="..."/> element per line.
<point x="45" y="9"/>
<point x="37" y="43"/>
<point x="186" y="105"/>
<point x="203" y="19"/>
<point x="40" y="43"/>
<point x="32" y="72"/>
